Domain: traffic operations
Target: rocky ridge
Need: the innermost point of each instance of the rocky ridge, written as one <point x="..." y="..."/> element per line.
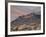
<point x="26" y="22"/>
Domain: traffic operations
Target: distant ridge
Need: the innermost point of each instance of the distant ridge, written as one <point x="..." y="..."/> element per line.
<point x="26" y="19"/>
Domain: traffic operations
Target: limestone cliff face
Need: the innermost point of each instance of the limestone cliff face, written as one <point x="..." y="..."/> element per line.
<point x="26" y="22"/>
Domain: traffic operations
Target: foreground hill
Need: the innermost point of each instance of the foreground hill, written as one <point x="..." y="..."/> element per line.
<point x="26" y="22"/>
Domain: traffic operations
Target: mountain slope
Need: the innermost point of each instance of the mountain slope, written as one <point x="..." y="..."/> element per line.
<point x="26" y="22"/>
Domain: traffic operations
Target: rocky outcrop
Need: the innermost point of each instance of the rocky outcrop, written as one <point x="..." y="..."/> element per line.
<point x="26" y="22"/>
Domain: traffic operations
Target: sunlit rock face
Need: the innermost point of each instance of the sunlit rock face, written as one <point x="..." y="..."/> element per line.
<point x="26" y="22"/>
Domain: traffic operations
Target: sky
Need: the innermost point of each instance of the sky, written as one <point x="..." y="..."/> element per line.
<point x="17" y="11"/>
